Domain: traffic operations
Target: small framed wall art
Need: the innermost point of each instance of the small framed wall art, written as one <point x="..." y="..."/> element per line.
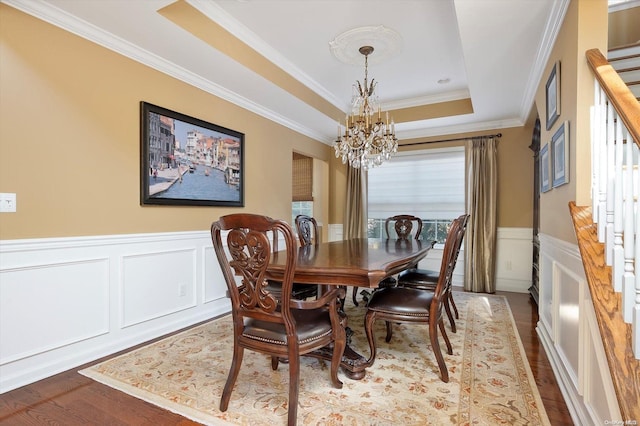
<point x="560" y="155"/>
<point x="553" y="95"/>
<point x="545" y="173"/>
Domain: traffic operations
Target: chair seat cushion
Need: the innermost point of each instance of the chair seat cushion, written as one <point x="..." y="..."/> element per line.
<point x="298" y="291"/>
<point x="311" y="325"/>
<point x="402" y="301"/>
<point x="418" y="278"/>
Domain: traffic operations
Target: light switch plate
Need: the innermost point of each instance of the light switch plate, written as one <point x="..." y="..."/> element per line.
<point x="7" y="202"/>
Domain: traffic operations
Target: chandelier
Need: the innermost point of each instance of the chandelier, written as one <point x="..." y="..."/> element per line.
<point x="367" y="140"/>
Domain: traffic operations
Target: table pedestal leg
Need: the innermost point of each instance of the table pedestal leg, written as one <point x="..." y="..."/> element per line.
<point x="353" y="364"/>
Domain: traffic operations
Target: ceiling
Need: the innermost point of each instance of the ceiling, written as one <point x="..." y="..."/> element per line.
<point x="277" y="59"/>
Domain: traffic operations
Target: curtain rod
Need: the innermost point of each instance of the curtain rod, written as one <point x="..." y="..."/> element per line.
<point x="497" y="135"/>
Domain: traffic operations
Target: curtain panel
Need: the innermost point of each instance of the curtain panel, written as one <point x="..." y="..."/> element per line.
<point x="482" y="194"/>
<point x="355" y="212"/>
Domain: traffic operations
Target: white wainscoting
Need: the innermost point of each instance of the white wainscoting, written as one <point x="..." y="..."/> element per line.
<point x="514" y="259"/>
<point x="570" y="335"/>
<point x="68" y="301"/>
<point x="335" y="232"/>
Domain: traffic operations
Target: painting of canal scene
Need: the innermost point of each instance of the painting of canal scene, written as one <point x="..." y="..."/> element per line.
<point x="187" y="161"/>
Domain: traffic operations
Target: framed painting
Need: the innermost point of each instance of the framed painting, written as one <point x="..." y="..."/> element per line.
<point x="560" y="155"/>
<point x="545" y="172"/>
<point x="187" y="161"/>
<point x="553" y="95"/>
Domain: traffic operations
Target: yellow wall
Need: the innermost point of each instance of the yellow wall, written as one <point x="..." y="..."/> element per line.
<point x="70" y="138"/>
<point x="69" y="144"/>
<point x="584" y="27"/>
<point x="624" y="27"/>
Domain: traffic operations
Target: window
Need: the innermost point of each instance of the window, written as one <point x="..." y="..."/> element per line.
<point x="428" y="184"/>
<point x="301" y="207"/>
<point x="302" y="190"/>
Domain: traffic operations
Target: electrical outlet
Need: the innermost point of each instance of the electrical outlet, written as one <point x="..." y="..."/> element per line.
<point x="182" y="289"/>
<point x="7" y="202"/>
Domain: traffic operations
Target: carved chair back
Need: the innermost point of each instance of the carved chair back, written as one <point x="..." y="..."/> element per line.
<point x="307" y="228"/>
<point x="405" y="226"/>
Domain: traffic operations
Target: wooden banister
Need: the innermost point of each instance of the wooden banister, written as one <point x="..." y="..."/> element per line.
<point x="616" y="335"/>
<point x="607" y="232"/>
<point x="617" y="91"/>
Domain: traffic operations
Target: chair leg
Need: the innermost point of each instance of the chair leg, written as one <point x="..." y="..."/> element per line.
<point x="446" y="338"/>
<point x="353" y="296"/>
<point x="369" y="319"/>
<point x="343" y="300"/>
<point x="389" y="331"/>
<point x="453" y="303"/>
<point x="435" y="345"/>
<point x="294" y="379"/>
<point x="339" y="344"/>
<point x="448" y="311"/>
<point x="274" y="363"/>
<point x="238" y="352"/>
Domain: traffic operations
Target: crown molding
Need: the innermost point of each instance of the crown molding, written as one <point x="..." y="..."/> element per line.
<point x="217" y="14"/>
<point x="458" y="128"/>
<point x="617" y="6"/>
<point x="551" y="31"/>
<point x="59" y="18"/>
<point x="426" y="100"/>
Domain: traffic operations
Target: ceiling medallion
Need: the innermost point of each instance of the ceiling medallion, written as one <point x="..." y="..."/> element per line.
<point x="346" y="46"/>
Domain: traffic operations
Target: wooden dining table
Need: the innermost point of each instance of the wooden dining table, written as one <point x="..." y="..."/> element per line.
<point x="360" y="262"/>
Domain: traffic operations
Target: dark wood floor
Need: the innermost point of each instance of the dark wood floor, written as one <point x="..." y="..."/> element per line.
<point x="525" y="314"/>
<point x="71" y="399"/>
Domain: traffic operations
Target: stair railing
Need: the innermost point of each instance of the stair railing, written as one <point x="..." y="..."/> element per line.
<point x="615" y="185"/>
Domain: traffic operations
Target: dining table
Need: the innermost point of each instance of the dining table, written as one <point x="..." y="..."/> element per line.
<point x="360" y="262"/>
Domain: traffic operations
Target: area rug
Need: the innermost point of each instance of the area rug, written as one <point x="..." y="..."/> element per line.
<point x="490" y="380"/>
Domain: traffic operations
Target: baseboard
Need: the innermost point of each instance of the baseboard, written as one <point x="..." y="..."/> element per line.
<point x="513" y="285"/>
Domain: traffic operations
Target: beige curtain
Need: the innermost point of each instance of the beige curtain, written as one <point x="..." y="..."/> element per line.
<point x="480" y="237"/>
<point x="355" y="212"/>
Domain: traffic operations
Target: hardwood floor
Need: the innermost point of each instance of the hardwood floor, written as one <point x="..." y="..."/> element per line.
<point x="72" y="399"/>
<point x="525" y="314"/>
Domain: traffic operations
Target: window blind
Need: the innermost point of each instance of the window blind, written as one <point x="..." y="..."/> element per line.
<point x="302" y="178"/>
<point x="428" y="184"/>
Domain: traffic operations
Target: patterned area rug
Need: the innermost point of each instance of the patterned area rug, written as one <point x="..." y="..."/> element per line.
<point x="490" y="380"/>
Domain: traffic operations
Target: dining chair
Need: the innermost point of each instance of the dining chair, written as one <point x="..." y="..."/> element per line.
<point x="405" y="227"/>
<point x="415" y="305"/>
<point x="428" y="279"/>
<point x="286" y="328"/>
<point x="307" y="228"/>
